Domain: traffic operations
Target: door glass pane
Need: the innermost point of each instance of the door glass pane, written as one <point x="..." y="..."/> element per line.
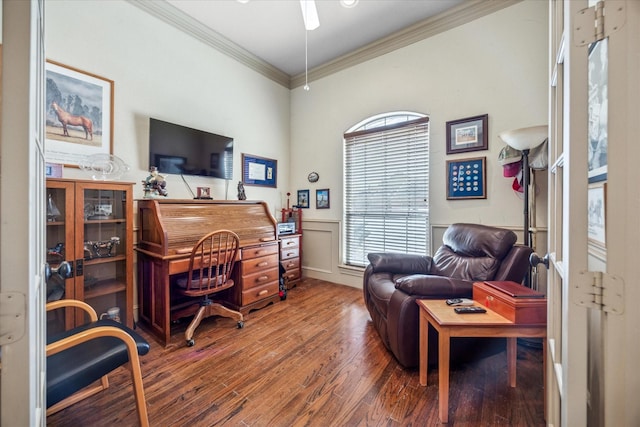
<point x="598" y="110"/>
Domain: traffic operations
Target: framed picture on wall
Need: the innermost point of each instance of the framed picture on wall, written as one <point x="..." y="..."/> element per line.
<point x="259" y="171"/>
<point x="596" y="222"/>
<point x="303" y="198"/>
<point x="79" y="114"/>
<point x="470" y="134"/>
<point x="466" y="179"/>
<point x="322" y="199"/>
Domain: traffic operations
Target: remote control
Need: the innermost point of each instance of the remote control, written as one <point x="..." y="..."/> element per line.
<point x="459" y="301"/>
<point x="469" y="310"/>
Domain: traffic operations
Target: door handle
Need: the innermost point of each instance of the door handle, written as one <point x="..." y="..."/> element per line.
<point x="534" y="260"/>
<point x="64" y="270"/>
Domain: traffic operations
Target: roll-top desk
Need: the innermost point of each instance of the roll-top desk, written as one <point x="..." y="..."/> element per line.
<point x="167" y="231"/>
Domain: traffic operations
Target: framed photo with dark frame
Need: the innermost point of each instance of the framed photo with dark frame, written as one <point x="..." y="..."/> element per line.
<point x="322" y="199"/>
<point x="467" y="179"/>
<point x="79" y="114"/>
<point x="470" y="134"/>
<point x="303" y="198"/>
<point x="259" y="171"/>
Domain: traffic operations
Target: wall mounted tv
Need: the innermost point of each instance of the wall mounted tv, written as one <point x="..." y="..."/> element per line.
<point x="176" y="149"/>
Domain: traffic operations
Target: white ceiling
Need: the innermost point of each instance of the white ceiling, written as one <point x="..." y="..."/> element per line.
<point x="273" y="30"/>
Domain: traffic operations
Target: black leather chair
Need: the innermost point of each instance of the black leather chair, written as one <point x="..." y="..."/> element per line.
<point x="393" y="282"/>
<point x="85" y="354"/>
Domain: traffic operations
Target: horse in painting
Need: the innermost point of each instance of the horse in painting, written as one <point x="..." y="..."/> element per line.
<point x="69" y="119"/>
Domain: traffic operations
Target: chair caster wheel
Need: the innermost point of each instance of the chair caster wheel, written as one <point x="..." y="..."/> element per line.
<point x="190" y="343"/>
<point x="240" y="324"/>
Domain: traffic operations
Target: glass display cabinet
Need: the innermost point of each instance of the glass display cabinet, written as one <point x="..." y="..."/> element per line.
<point x="90" y="226"/>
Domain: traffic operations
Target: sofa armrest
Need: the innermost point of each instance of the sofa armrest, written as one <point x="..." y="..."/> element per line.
<point x="434" y="287"/>
<point x="399" y="263"/>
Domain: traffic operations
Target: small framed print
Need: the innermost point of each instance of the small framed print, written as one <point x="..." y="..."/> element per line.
<point x="303" y="198"/>
<point x="466" y="179"/>
<point x="322" y="199"/>
<point x="470" y="134"/>
<point x="204" y="193"/>
<point x="597" y="205"/>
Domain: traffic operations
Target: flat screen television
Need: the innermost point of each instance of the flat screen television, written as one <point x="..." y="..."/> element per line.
<point x="176" y="149"/>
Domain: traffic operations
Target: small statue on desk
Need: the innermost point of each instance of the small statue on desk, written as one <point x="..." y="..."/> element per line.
<point x="154" y="185"/>
<point x="241" y="193"/>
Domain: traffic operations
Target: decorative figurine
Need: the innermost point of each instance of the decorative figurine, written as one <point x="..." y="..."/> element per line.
<point x="154" y="185"/>
<point x="241" y="193"/>
<point x="52" y="210"/>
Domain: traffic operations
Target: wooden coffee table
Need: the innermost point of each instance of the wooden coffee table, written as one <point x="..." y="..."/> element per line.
<point x="450" y="324"/>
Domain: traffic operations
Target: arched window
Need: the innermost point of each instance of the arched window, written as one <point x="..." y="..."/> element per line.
<point x="386" y="186"/>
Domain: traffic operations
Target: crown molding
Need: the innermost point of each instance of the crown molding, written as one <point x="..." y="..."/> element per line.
<point x="183" y="22"/>
<point x="460" y="15"/>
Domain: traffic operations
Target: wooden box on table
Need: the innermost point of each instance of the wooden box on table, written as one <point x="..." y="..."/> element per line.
<point x="512" y="300"/>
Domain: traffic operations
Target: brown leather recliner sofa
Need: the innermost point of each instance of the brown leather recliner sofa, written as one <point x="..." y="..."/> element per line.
<point x="393" y="281"/>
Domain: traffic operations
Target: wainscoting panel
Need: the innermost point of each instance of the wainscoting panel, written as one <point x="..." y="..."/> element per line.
<point x="322" y="256"/>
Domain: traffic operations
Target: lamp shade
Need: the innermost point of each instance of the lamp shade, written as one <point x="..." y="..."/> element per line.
<point x="525" y="138"/>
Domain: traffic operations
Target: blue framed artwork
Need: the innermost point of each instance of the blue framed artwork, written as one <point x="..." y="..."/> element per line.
<point x="259" y="171"/>
<point x="467" y="179"/>
<point x="303" y="198"/>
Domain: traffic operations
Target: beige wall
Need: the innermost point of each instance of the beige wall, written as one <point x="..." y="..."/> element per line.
<point x="163" y="73"/>
<point x="495" y="65"/>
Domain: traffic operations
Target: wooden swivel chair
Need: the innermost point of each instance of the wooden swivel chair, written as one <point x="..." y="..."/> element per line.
<point x="210" y="271"/>
<point x="85" y="354"/>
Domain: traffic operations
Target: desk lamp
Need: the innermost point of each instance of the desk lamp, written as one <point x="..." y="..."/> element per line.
<point x="525" y="139"/>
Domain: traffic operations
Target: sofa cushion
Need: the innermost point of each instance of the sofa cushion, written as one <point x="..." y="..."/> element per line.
<point x="476" y="240"/>
<point x="452" y="264"/>
<point x="399" y="263"/>
<point x="434" y="287"/>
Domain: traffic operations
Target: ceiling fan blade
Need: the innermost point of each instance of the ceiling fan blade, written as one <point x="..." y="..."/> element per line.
<point x="309" y="14"/>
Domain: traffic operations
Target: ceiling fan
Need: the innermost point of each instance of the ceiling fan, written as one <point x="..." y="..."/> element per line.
<point x="309" y="14"/>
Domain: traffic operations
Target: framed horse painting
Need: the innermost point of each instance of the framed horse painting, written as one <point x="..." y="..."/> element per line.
<point x="79" y="114"/>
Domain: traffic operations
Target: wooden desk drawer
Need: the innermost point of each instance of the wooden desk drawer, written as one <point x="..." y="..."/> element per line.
<point x="254" y="265"/>
<point x="289" y="253"/>
<point x="289" y="242"/>
<point x="291" y="264"/>
<point x="259" y="251"/>
<point x="260" y="278"/>
<point x="291" y="275"/>
<point x="259" y="292"/>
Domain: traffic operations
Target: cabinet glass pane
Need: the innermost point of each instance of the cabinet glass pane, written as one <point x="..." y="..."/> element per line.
<point x="56" y="235"/>
<point x="105" y="243"/>
<point x="57" y="251"/>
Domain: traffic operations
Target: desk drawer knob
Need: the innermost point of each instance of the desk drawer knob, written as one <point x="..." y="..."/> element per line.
<point x="262" y="278"/>
<point x="263" y="292"/>
<point x="263" y="264"/>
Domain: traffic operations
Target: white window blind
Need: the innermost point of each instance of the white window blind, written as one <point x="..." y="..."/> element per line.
<point x="387" y="188"/>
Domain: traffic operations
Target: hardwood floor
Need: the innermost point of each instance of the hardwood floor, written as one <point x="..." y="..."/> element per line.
<point x="313" y="359"/>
